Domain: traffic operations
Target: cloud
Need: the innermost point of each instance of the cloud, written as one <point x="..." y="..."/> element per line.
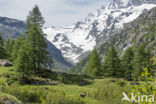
<point x="55" y="12"/>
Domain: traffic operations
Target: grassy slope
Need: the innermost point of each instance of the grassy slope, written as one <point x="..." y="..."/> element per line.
<point x="5" y="97"/>
<point x="4" y="72"/>
<point x="99" y="91"/>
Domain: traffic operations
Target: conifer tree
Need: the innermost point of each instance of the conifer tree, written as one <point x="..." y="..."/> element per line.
<point x="112" y="65"/>
<point x="2" y="50"/>
<point x="35" y="16"/>
<point x="1" y="39"/>
<point x="16" y="47"/>
<point x="127" y="63"/>
<point x="141" y="60"/>
<point x="23" y="61"/>
<point x="9" y="47"/>
<point x="94" y="64"/>
<point x="35" y="37"/>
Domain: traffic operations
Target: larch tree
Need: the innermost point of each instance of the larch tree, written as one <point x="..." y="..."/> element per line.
<point x="94" y="64"/>
<point x="127" y="63"/>
<point x="37" y="53"/>
<point x="2" y="50"/>
<point x="112" y="64"/>
<point x="1" y="39"/>
<point x="23" y="62"/>
<point x="9" y="43"/>
<point x="16" y="47"/>
<point x="141" y="60"/>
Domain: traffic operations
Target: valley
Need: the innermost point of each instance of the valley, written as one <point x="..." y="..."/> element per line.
<point x="107" y="58"/>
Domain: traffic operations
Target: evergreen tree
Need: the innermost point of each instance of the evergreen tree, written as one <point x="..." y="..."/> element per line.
<point x="112" y="65"/>
<point x="16" y="47"/>
<point x="24" y="61"/>
<point x="35" y="16"/>
<point x="1" y="39"/>
<point x="141" y="60"/>
<point x="127" y="62"/>
<point x="50" y="63"/>
<point x="94" y="64"/>
<point x="9" y="47"/>
<point x="37" y="44"/>
<point x="80" y="68"/>
<point x="2" y="50"/>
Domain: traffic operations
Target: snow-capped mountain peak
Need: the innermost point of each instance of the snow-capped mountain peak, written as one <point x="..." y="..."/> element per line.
<point x="75" y="41"/>
<point x="119" y="4"/>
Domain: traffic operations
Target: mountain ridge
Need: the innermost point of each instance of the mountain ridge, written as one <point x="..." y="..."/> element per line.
<point x="81" y="38"/>
<point x="73" y="43"/>
<point x="12" y="28"/>
<point x="141" y="31"/>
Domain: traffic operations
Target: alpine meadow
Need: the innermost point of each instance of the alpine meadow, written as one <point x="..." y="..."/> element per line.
<point x="107" y="58"/>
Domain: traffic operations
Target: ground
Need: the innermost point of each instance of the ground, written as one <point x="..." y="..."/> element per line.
<point x="53" y="87"/>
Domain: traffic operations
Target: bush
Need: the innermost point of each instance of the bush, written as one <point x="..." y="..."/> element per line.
<point x="146" y="86"/>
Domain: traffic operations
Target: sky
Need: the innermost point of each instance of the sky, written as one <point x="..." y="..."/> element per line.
<point x="55" y="12"/>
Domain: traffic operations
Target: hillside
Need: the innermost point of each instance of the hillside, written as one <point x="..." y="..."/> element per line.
<point x="75" y="42"/>
<point x="141" y="30"/>
<point x="12" y="28"/>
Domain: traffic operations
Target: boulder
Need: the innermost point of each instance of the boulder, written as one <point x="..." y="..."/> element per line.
<point x="5" y="63"/>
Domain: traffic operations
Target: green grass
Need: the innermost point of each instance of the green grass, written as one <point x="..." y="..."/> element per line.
<point x="67" y="91"/>
<point x="6" y="69"/>
<point x="5" y="97"/>
<point x="102" y="91"/>
<point x="6" y="72"/>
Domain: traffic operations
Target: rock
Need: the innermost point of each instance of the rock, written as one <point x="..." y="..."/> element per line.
<point x="4" y="62"/>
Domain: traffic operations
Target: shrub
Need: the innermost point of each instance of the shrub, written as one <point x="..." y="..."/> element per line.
<point x="146" y="86"/>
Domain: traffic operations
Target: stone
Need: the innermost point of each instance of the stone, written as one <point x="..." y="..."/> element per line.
<point x="4" y="62"/>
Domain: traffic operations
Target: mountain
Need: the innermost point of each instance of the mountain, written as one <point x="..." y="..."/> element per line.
<point x="12" y="28"/>
<point x="69" y="44"/>
<point x="75" y="42"/>
<point x="139" y="31"/>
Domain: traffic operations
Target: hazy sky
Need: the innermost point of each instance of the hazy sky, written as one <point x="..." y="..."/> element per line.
<point x="55" y="12"/>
